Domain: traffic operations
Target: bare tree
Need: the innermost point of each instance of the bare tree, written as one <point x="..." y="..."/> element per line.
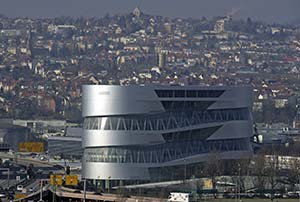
<point x="121" y="194"/>
<point x="272" y="173"/>
<point x="259" y="170"/>
<point x="293" y="172"/>
<point x="244" y="166"/>
<point x="214" y="167"/>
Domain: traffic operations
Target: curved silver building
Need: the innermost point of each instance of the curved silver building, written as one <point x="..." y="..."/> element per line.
<point x="129" y="131"/>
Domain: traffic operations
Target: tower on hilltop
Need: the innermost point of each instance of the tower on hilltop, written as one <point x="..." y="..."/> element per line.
<point x="137" y="12"/>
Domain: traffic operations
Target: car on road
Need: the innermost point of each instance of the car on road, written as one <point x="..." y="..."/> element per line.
<point x="10" y="197"/>
<point x="39" y="171"/>
<point x="43" y="158"/>
<point x="33" y="155"/>
<point x="2" y="195"/>
<point x="19" y="187"/>
<point x="31" y="189"/>
<point x="293" y="194"/>
<point x="98" y="193"/>
<point x="21" y="171"/>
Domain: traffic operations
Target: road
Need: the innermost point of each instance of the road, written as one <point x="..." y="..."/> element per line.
<point x="106" y="197"/>
<point x="26" y="160"/>
<point x="38" y="166"/>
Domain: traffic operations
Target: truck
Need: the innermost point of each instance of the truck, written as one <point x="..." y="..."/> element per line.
<point x="179" y="197"/>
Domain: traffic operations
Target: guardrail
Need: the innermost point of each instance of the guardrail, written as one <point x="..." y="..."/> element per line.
<point x="28" y="160"/>
<point x="45" y="188"/>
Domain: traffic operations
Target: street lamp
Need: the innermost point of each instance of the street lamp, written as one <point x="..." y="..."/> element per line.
<point x="84" y="189"/>
<point x="41" y="188"/>
<point x="41" y="191"/>
<point x="98" y="185"/>
<point x="184" y="170"/>
<point x="6" y="169"/>
<point x="239" y="181"/>
<point x="237" y="186"/>
<point x="236" y="190"/>
<point x="109" y="183"/>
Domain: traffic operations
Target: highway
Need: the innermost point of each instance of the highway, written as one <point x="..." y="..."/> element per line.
<point x="68" y="194"/>
<point x="105" y="197"/>
<point x="89" y="196"/>
<point x="33" y="186"/>
<point x="26" y="160"/>
<point x="16" y="171"/>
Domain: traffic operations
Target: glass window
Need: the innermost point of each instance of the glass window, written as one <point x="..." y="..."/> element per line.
<point x="194" y="113"/>
<point x="164" y="93"/>
<point x="179" y="93"/>
<point x="191" y="93"/>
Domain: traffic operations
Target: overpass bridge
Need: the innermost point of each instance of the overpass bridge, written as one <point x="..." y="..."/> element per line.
<point x="66" y="194"/>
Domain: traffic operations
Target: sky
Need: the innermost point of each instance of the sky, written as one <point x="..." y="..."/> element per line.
<point x="279" y="11"/>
